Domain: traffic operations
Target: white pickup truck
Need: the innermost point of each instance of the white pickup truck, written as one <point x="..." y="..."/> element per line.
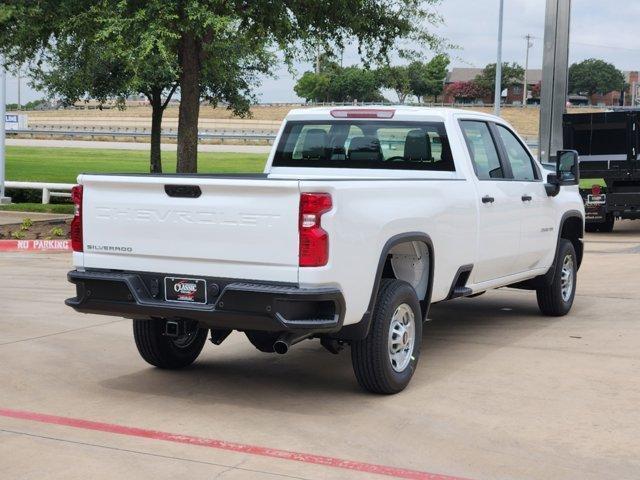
<point x="363" y="218"/>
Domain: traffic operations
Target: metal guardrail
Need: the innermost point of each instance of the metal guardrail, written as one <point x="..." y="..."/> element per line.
<point x="246" y="136"/>
<point x="48" y="189"/>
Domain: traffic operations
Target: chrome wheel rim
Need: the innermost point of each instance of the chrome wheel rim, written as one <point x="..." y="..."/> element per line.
<point x="402" y="337"/>
<point x="566" y="278"/>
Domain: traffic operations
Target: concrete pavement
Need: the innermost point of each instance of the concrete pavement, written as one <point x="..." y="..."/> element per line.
<point x="500" y="393"/>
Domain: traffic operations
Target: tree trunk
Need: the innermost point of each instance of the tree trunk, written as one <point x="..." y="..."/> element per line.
<point x="189" y="58"/>
<point x="157" y="110"/>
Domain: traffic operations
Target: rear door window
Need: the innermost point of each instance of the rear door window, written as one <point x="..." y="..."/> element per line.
<point x="365" y="144"/>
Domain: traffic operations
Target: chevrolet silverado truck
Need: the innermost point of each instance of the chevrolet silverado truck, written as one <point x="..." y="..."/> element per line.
<point x="363" y="218"/>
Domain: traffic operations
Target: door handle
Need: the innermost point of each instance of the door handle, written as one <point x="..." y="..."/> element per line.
<point x="488" y="199"/>
<point x="526" y="198"/>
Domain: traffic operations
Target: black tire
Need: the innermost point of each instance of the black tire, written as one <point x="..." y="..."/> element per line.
<point x="591" y="227"/>
<point x="371" y="357"/>
<point x="551" y="300"/>
<point x="263" y="341"/>
<point x="604" y="227"/>
<point x="166" y="352"/>
<point x="608" y="224"/>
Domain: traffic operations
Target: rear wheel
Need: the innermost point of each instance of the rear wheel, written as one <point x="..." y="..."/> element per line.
<point x="167" y="352"/>
<point x="556" y="299"/>
<point x="386" y="359"/>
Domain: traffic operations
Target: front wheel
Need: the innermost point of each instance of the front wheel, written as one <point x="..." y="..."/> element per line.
<point x="556" y="299"/>
<point x="167" y="352"/>
<point x="386" y="359"/>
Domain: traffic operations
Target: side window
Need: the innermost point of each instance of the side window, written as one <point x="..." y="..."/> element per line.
<point x="519" y="159"/>
<point x="482" y="150"/>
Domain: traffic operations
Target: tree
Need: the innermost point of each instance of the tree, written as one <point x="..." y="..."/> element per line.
<point x="200" y="27"/>
<point x="106" y="49"/>
<point x="466" y="91"/>
<point x="74" y="55"/>
<point x="313" y="87"/>
<point x="220" y="47"/>
<point x="512" y="75"/>
<point x="594" y="76"/>
<point x="83" y="68"/>
<point x="397" y="79"/>
<point x="427" y="79"/>
<point x="352" y="84"/>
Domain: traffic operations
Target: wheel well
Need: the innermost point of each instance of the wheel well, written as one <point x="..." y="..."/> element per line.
<point x="402" y="244"/>
<point x="411" y="261"/>
<point x="573" y="230"/>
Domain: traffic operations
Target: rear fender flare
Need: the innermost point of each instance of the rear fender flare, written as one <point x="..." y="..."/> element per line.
<point x="360" y="330"/>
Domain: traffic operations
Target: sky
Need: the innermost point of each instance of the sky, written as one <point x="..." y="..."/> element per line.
<point x="599" y="28"/>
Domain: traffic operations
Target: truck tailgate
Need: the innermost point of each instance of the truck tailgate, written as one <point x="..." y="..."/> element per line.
<point x="237" y="227"/>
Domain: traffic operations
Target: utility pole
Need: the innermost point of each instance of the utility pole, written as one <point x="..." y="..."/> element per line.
<point x="497" y="98"/>
<point x="3" y="118"/>
<point x="525" y="85"/>
<point x="555" y="73"/>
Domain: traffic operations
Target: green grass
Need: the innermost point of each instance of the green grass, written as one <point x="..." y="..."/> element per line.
<point x="38" y="207"/>
<point x="62" y="165"/>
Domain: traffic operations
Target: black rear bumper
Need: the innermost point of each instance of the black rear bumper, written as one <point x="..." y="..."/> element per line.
<point x="231" y="304"/>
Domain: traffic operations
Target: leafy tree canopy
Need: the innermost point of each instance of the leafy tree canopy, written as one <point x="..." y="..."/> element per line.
<point x="512" y="74"/>
<point x="220" y="47"/>
<point x="427" y="78"/>
<point x="594" y="76"/>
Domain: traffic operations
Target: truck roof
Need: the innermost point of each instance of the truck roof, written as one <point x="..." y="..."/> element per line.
<point x="401" y="112"/>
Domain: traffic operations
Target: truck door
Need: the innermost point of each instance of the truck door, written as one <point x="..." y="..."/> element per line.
<point x="499" y="209"/>
<point x="537" y="212"/>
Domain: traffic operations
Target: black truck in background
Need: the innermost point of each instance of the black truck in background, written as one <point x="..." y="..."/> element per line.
<point x="609" y="146"/>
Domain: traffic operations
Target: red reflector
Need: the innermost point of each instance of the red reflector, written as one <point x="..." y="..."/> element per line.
<point x="362" y="113"/>
<point x="314" y="240"/>
<point x="596" y="190"/>
<point x="76" y="223"/>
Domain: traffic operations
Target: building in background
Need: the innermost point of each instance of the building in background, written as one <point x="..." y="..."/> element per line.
<point x="513" y="95"/>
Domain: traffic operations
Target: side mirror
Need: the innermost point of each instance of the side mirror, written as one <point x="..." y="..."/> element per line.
<point x="567" y="172"/>
<point x="568" y="167"/>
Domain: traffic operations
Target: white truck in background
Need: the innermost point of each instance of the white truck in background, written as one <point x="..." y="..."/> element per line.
<point x="363" y="218"/>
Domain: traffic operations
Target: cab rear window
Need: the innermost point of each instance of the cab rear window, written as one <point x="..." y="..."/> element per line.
<point x="365" y="144"/>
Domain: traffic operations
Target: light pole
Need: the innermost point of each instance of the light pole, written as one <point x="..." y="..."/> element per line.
<point x="525" y="85"/>
<point x="497" y="99"/>
<point x="3" y="118"/>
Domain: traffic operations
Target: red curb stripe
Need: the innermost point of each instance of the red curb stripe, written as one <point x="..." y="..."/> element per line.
<point x="223" y="445"/>
<point x="35" y="245"/>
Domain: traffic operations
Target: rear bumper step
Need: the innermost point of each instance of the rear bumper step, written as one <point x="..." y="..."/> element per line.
<point x="231" y="304"/>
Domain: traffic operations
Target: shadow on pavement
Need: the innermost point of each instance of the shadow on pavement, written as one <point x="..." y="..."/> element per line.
<point x="299" y="381"/>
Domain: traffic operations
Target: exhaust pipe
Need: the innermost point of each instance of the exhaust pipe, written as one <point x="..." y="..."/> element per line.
<point x="287" y="340"/>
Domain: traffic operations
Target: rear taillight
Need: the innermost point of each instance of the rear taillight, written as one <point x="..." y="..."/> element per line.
<point x="314" y="241"/>
<point x="596" y="190"/>
<point x="76" y="223"/>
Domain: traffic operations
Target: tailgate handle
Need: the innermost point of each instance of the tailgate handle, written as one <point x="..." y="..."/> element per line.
<point x="183" y="191"/>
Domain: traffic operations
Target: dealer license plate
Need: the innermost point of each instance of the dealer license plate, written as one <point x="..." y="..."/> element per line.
<point x="190" y="290"/>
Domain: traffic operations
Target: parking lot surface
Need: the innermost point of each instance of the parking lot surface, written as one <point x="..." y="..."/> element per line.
<point x="500" y="393"/>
